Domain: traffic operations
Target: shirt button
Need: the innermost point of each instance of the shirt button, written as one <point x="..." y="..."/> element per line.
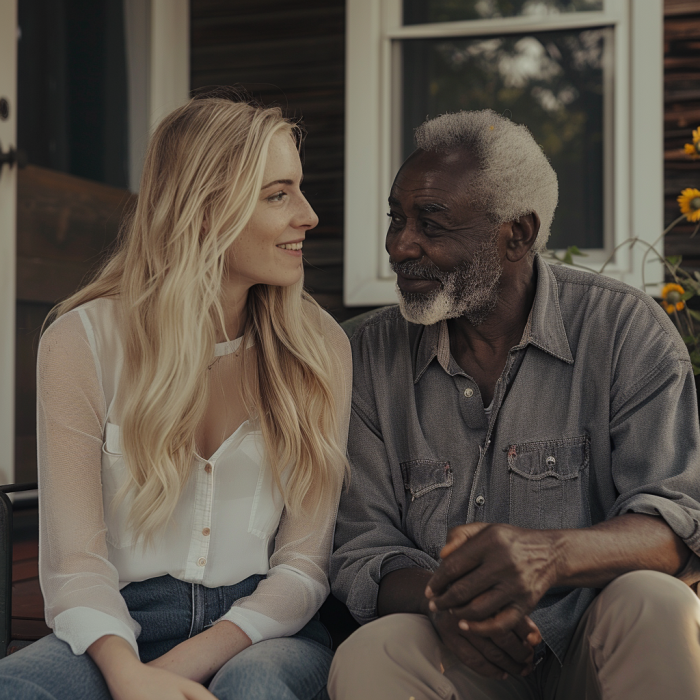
<point x="207" y="469"/>
<point x="201" y="561"/>
<point x="206" y="531"/>
<point x="480" y="500"/>
<point x="469" y="392"/>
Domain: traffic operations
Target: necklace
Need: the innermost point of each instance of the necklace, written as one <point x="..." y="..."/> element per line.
<point x="213" y="363"/>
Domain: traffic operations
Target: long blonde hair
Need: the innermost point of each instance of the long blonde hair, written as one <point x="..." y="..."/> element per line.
<point x="207" y="159"/>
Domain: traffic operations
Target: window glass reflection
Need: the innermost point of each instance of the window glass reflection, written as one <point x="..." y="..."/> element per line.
<point x="551" y="82"/>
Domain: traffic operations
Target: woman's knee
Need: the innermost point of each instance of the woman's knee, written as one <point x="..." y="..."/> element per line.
<point x="48" y="670"/>
<point x="285" y="669"/>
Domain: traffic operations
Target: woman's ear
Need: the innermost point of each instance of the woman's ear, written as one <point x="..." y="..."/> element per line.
<point x="523" y="234"/>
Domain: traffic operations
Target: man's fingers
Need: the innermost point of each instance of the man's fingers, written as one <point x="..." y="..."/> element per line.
<point x="528" y="631"/>
<point x="480" y="607"/>
<point x="501" y="657"/>
<point x="457" y="536"/>
<point x="474" y="659"/>
<point x="501" y="623"/>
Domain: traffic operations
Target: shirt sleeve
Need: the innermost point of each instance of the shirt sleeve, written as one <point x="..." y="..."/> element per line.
<point x="369" y="541"/>
<point x="297" y="581"/>
<point x="79" y="584"/>
<point x="655" y="438"/>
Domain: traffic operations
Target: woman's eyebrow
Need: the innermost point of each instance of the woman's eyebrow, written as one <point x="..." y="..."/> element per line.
<point x="279" y="182"/>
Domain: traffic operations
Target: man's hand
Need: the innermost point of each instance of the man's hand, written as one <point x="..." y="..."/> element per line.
<point x="511" y="653"/>
<point x="492" y="576"/>
<point x="508" y="654"/>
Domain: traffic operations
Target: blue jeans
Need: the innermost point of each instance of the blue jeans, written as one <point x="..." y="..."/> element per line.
<point x="170" y="611"/>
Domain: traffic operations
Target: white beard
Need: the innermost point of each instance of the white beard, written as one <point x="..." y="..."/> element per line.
<point x="470" y="290"/>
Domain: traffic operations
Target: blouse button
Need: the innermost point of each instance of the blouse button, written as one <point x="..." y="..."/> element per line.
<point x="469" y="392"/>
<point x="201" y="561"/>
<point x="206" y="531"/>
<point x="207" y="469"/>
<point x="480" y="500"/>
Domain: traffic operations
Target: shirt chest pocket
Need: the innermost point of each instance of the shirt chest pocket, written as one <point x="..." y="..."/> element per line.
<point x="549" y="484"/>
<point x="428" y="485"/>
<point x="114" y="474"/>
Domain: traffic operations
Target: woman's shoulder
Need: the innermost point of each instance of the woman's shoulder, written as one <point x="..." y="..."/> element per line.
<point x="88" y="321"/>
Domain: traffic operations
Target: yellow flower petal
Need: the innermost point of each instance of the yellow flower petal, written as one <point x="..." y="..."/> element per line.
<point x="696" y="135"/>
<point x="689" y="203"/>
<point x="671" y="287"/>
<point x="692" y="150"/>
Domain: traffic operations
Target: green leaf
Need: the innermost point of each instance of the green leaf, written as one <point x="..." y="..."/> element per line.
<point x="574" y="250"/>
<point x="674" y="260"/>
<point x="695" y="357"/>
<point x="696" y="370"/>
<point x="689" y="294"/>
<point x="568" y="260"/>
<point x="695" y="314"/>
<point x="689" y="340"/>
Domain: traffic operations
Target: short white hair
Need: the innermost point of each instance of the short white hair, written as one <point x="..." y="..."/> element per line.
<point x="514" y="179"/>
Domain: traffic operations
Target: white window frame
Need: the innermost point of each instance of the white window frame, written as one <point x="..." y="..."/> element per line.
<point x="634" y="198"/>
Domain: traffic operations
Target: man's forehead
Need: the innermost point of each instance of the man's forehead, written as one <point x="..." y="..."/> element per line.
<point x="431" y="173"/>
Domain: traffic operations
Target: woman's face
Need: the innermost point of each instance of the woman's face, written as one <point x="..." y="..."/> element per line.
<point x="268" y="250"/>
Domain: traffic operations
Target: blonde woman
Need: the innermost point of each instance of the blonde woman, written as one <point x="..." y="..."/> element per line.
<point x="193" y="405"/>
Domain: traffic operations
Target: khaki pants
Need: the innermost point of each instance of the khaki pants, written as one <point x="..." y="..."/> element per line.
<point x="640" y="639"/>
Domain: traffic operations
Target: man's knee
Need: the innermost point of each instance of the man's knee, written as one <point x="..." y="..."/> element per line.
<point x="647" y="599"/>
<point x="393" y="635"/>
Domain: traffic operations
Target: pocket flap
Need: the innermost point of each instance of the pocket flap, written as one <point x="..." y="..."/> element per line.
<point x="561" y="459"/>
<point x="423" y="475"/>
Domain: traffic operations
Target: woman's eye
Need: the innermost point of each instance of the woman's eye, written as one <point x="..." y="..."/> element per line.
<point x="278" y="197"/>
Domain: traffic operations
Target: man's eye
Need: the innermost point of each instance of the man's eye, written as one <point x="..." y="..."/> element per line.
<point x="394" y="219"/>
<point x="278" y="197"/>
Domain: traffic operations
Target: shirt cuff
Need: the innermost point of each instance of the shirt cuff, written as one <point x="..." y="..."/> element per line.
<point x="257" y="626"/>
<point x="80" y="627"/>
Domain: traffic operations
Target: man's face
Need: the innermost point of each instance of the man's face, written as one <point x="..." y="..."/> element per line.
<point x="444" y="251"/>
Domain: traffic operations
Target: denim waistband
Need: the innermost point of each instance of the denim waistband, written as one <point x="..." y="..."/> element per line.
<point x="170" y="611"/>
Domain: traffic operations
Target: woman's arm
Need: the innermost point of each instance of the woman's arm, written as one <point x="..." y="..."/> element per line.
<point x="79" y="583"/>
<point x="128" y="679"/>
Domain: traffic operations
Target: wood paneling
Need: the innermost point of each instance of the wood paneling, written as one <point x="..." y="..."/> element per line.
<point x="65" y="224"/>
<point x="681" y="116"/>
<point x="292" y="55"/>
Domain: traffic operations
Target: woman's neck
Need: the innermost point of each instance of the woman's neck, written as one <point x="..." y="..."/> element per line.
<point x="233" y="302"/>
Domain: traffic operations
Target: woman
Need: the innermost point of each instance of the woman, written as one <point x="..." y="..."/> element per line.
<point x="193" y="405"/>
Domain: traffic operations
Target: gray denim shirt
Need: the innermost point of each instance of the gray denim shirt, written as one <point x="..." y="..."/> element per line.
<point x="594" y="415"/>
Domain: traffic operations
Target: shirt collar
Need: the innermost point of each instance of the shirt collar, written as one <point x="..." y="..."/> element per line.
<point x="544" y="329"/>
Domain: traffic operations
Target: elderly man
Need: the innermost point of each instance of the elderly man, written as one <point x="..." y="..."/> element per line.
<point x="523" y="508"/>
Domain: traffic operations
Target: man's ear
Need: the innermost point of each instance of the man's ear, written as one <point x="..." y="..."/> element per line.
<point x="522" y="236"/>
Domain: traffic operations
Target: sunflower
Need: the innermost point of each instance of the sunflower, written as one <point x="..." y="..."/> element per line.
<point x="671" y="297"/>
<point x="693" y="149"/>
<point x="689" y="202"/>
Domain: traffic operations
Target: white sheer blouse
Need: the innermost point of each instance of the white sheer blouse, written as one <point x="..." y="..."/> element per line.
<point x="229" y="523"/>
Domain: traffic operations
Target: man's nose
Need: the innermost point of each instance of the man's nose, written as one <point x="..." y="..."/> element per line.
<point x="404" y="244"/>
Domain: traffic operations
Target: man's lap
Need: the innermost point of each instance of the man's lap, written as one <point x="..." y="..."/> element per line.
<point x="402" y="654"/>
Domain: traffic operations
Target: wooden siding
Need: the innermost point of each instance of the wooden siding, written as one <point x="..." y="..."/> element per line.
<point x="681" y="116"/>
<point x="292" y="55"/>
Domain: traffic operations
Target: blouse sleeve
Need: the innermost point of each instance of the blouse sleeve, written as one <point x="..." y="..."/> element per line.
<point x="79" y="584"/>
<point x="297" y="581"/>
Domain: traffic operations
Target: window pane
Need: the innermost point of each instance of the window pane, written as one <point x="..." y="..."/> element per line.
<point x="427" y="11"/>
<point x="552" y="82"/>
